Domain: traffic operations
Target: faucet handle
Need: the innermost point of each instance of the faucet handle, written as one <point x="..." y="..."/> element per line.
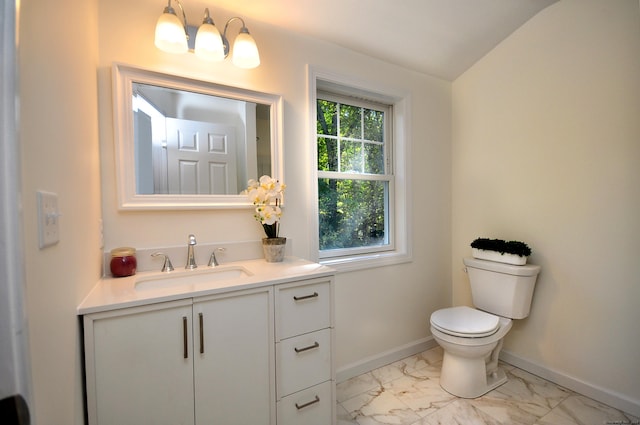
<point x="213" y="261"/>
<point x="166" y="266"/>
<point x="192" y="239"/>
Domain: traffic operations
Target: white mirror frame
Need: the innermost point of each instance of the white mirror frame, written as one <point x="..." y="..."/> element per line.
<point x="123" y="78"/>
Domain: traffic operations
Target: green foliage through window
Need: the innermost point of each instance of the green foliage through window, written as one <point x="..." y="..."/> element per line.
<point x="359" y="145"/>
<point x="352" y="213"/>
<point x="353" y="183"/>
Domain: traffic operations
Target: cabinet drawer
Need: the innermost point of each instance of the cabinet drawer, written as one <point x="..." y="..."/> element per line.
<point x="302" y="308"/>
<point x="313" y="406"/>
<point x="303" y="361"/>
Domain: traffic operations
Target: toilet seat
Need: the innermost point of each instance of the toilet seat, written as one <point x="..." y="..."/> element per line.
<point x="465" y="322"/>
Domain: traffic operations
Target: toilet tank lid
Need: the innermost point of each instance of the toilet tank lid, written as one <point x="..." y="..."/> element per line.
<point x="494" y="266"/>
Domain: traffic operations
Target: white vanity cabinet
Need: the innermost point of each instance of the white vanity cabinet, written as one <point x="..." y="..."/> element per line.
<point x="258" y="353"/>
<point x="304" y="353"/>
<point x="195" y="361"/>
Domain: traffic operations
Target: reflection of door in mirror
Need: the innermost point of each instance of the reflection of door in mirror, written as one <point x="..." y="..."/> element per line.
<point x="188" y="143"/>
<point x="263" y="140"/>
<point x="201" y="157"/>
<point x="143" y="152"/>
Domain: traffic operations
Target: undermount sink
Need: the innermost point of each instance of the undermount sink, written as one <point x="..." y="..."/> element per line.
<point x="191" y="277"/>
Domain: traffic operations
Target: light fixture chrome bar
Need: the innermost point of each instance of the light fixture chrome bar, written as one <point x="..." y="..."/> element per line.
<point x="207" y="17"/>
<point x="225" y="40"/>
<point x="170" y="9"/>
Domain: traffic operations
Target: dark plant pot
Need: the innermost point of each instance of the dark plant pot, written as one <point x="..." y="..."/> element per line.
<point x="274" y="249"/>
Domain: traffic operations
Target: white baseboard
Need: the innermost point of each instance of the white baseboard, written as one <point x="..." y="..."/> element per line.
<point x="603" y="395"/>
<point x="373" y="362"/>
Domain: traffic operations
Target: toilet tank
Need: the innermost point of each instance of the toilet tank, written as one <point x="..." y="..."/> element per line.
<point x="502" y="289"/>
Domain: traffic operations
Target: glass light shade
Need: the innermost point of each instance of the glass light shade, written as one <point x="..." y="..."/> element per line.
<point x="245" y="51"/>
<point x="170" y="35"/>
<point x="209" y="43"/>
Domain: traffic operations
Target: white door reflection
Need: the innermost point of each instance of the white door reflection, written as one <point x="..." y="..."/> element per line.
<point x="188" y="143"/>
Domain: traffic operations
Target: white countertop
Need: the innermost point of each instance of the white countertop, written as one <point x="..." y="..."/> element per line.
<point x="116" y="293"/>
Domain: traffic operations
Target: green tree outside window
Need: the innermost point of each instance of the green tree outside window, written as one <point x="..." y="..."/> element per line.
<point x="353" y="183"/>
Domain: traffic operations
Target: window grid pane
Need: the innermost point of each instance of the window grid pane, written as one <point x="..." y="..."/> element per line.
<point x="350" y="121"/>
<point x="352" y="213"/>
<point x="373" y="125"/>
<point x="373" y="158"/>
<point x="327" y="154"/>
<point x="351" y="157"/>
<point x="327" y="117"/>
<point x="359" y="148"/>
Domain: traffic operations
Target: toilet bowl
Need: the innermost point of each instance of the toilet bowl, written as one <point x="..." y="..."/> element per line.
<point x="471" y="349"/>
<point x="472" y="337"/>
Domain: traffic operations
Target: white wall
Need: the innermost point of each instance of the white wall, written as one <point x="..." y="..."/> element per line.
<point x="376" y="310"/>
<point x="546" y="149"/>
<point x="59" y="142"/>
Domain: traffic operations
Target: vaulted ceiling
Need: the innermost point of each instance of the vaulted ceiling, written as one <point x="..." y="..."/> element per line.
<point x="437" y="37"/>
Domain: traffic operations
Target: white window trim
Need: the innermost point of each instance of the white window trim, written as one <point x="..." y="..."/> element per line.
<point x="402" y="205"/>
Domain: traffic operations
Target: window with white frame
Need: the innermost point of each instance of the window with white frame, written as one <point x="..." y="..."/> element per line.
<point x="361" y="170"/>
<point x="355" y="176"/>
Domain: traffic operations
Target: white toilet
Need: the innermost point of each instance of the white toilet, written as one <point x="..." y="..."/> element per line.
<point x="472" y="337"/>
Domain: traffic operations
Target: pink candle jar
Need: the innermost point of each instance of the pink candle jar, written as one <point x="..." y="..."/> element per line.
<point x="123" y="262"/>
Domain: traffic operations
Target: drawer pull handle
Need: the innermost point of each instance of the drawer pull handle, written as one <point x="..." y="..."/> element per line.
<point x="302" y="406"/>
<point x="201" y="321"/>
<point x="305" y="297"/>
<point x="185" y="341"/>
<point x="311" y="347"/>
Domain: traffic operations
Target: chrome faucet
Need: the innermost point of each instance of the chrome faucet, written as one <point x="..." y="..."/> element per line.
<point x="213" y="261"/>
<point x="166" y="265"/>
<point x="191" y="259"/>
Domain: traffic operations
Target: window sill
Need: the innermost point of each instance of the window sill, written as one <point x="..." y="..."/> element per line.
<point x="366" y="261"/>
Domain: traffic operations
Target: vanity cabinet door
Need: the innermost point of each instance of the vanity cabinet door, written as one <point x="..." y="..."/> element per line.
<point x="234" y="372"/>
<point x="140" y="365"/>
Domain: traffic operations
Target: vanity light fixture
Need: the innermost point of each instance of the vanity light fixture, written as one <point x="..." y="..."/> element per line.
<point x="174" y="36"/>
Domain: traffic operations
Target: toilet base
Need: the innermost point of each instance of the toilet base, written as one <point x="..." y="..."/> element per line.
<point x="468" y="378"/>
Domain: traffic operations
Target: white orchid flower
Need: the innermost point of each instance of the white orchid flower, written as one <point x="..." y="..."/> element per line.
<point x="266" y="193"/>
<point x="268" y="214"/>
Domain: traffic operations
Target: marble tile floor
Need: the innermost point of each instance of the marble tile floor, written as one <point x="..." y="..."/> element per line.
<point x="407" y="392"/>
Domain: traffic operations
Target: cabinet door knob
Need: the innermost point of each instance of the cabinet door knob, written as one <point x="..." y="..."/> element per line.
<point x="302" y="406"/>
<point x="305" y="297"/>
<point x="311" y="347"/>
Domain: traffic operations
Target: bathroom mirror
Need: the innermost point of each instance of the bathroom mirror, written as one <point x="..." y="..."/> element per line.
<point x="182" y="143"/>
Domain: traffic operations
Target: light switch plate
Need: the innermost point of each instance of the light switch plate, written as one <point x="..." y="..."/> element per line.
<point x="48" y="219"/>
